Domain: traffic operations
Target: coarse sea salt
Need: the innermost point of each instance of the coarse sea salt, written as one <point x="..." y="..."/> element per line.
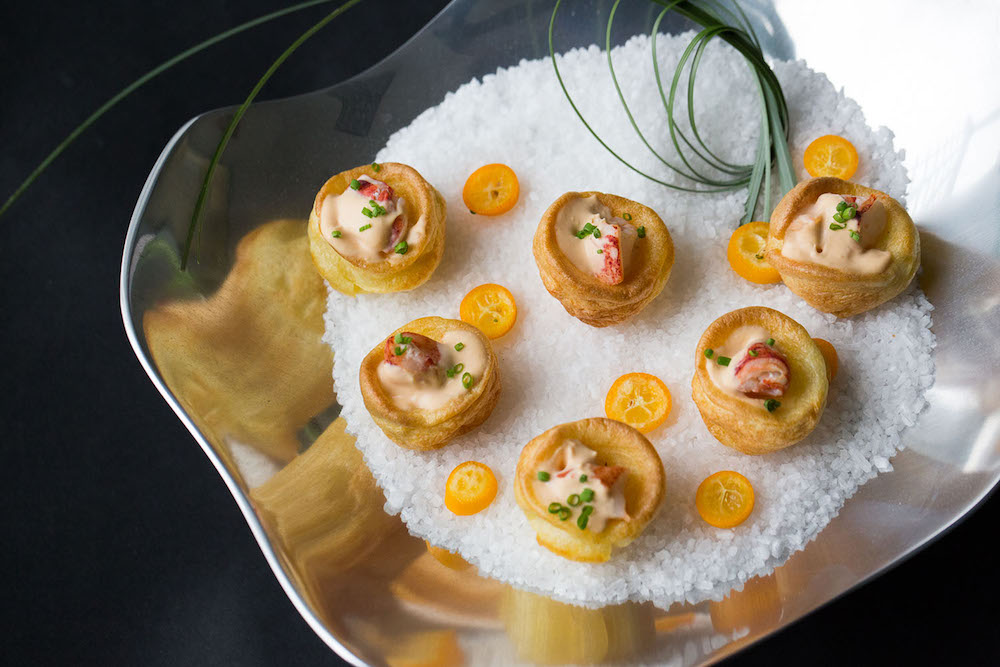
<point x="556" y="369"/>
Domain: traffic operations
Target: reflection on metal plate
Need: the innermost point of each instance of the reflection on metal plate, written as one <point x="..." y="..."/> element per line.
<point x="235" y="345"/>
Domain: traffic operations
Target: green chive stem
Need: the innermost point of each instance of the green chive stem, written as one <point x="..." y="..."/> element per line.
<point x="238" y="116"/>
<point x="141" y="81"/>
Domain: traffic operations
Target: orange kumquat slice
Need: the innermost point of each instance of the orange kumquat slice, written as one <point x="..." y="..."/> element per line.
<point x="491" y="190"/>
<point x="831" y="155"/>
<point x="470" y="488"/>
<point x="829" y="356"/>
<point x="746" y="254"/>
<point x="725" y="499"/>
<point x="491" y="308"/>
<point x="640" y="400"/>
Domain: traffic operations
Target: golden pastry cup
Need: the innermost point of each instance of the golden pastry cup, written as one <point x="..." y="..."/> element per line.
<point x="356" y="276"/>
<point x="583" y="295"/>
<point x="750" y="428"/>
<point x="431" y="429"/>
<point x="616" y="444"/>
<point x="844" y="293"/>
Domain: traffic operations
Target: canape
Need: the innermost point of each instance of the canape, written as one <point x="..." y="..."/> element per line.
<point x="430" y="381"/>
<point x="603" y="256"/>
<point x="842" y="247"/>
<point x="377" y="228"/>
<point x="760" y="381"/>
<point x="589" y="487"/>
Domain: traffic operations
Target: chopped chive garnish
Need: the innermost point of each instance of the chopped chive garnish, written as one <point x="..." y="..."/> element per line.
<point x="364" y="227"/>
<point x="835" y="227"/>
<point x="770" y="341"/>
<point x="641" y="232"/>
<point x="365" y="212"/>
<point x="336" y="234"/>
<point x="855" y="236"/>
<point x="399" y="351"/>
<point x="841" y="206"/>
<point x="771" y="405"/>
<point x="459" y="368"/>
<point x="583" y="478"/>
<point x="401" y="248"/>
<point x="587" y="495"/>
<point x="849" y="213"/>
<point x="628" y="216"/>
<point x="600" y="252"/>
<point x="838" y="217"/>
<point x="752" y="353"/>
<point x="573" y="500"/>
<point x="459" y="347"/>
<point x="467" y="380"/>
<point x="723" y="361"/>
<point x="544" y="477"/>
<point x="587" y="510"/>
<point x="554" y="507"/>
<point x="355" y="184"/>
<point x="376" y="167"/>
<point x="398" y="338"/>
<point x="581" y="521"/>
<point x="597" y="233"/>
<point x="565" y="513"/>
<point x="709" y="352"/>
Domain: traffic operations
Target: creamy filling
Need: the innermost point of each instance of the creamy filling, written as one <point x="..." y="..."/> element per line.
<point x="735" y="348"/>
<point x="563" y="473"/>
<point x="816" y="237"/>
<point x="596" y="253"/>
<point x="433" y="389"/>
<point x="354" y="235"/>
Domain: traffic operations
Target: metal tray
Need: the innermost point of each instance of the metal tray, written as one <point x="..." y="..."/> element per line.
<point x="366" y="587"/>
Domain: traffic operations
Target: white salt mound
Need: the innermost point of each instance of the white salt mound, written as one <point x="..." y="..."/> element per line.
<point x="556" y="369"/>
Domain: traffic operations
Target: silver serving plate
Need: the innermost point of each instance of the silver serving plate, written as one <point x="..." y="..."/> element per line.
<point x="374" y="596"/>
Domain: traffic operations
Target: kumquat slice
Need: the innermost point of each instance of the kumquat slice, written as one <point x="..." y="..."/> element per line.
<point x="490" y="308"/>
<point x="725" y="499"/>
<point x="830" y="356"/>
<point x="447" y="558"/>
<point x="640" y="400"/>
<point x="491" y="190"/>
<point x="831" y="155"/>
<point x="470" y="488"/>
<point x="746" y="254"/>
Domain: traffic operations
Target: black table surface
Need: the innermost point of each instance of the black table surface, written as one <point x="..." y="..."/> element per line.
<point x="123" y="545"/>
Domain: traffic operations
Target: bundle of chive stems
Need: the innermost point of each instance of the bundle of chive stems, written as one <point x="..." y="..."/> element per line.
<point x="712" y="174"/>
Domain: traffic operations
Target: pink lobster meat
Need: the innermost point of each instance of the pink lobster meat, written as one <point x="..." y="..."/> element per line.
<point x="763" y="374"/>
<point x="419" y="354"/>
<point x="386" y="198"/>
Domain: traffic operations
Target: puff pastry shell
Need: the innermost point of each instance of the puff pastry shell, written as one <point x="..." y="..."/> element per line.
<point x="616" y="444"/>
<point x="355" y="275"/>
<point x="430" y="429"/>
<point x="582" y="295"/>
<point x="748" y="427"/>
<point x="832" y="290"/>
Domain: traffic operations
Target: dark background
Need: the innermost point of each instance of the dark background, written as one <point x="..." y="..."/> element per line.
<point x="122" y="544"/>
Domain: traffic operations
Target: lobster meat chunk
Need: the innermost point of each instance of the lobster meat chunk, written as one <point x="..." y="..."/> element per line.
<point x="416" y="354"/>
<point x="762" y="372"/>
